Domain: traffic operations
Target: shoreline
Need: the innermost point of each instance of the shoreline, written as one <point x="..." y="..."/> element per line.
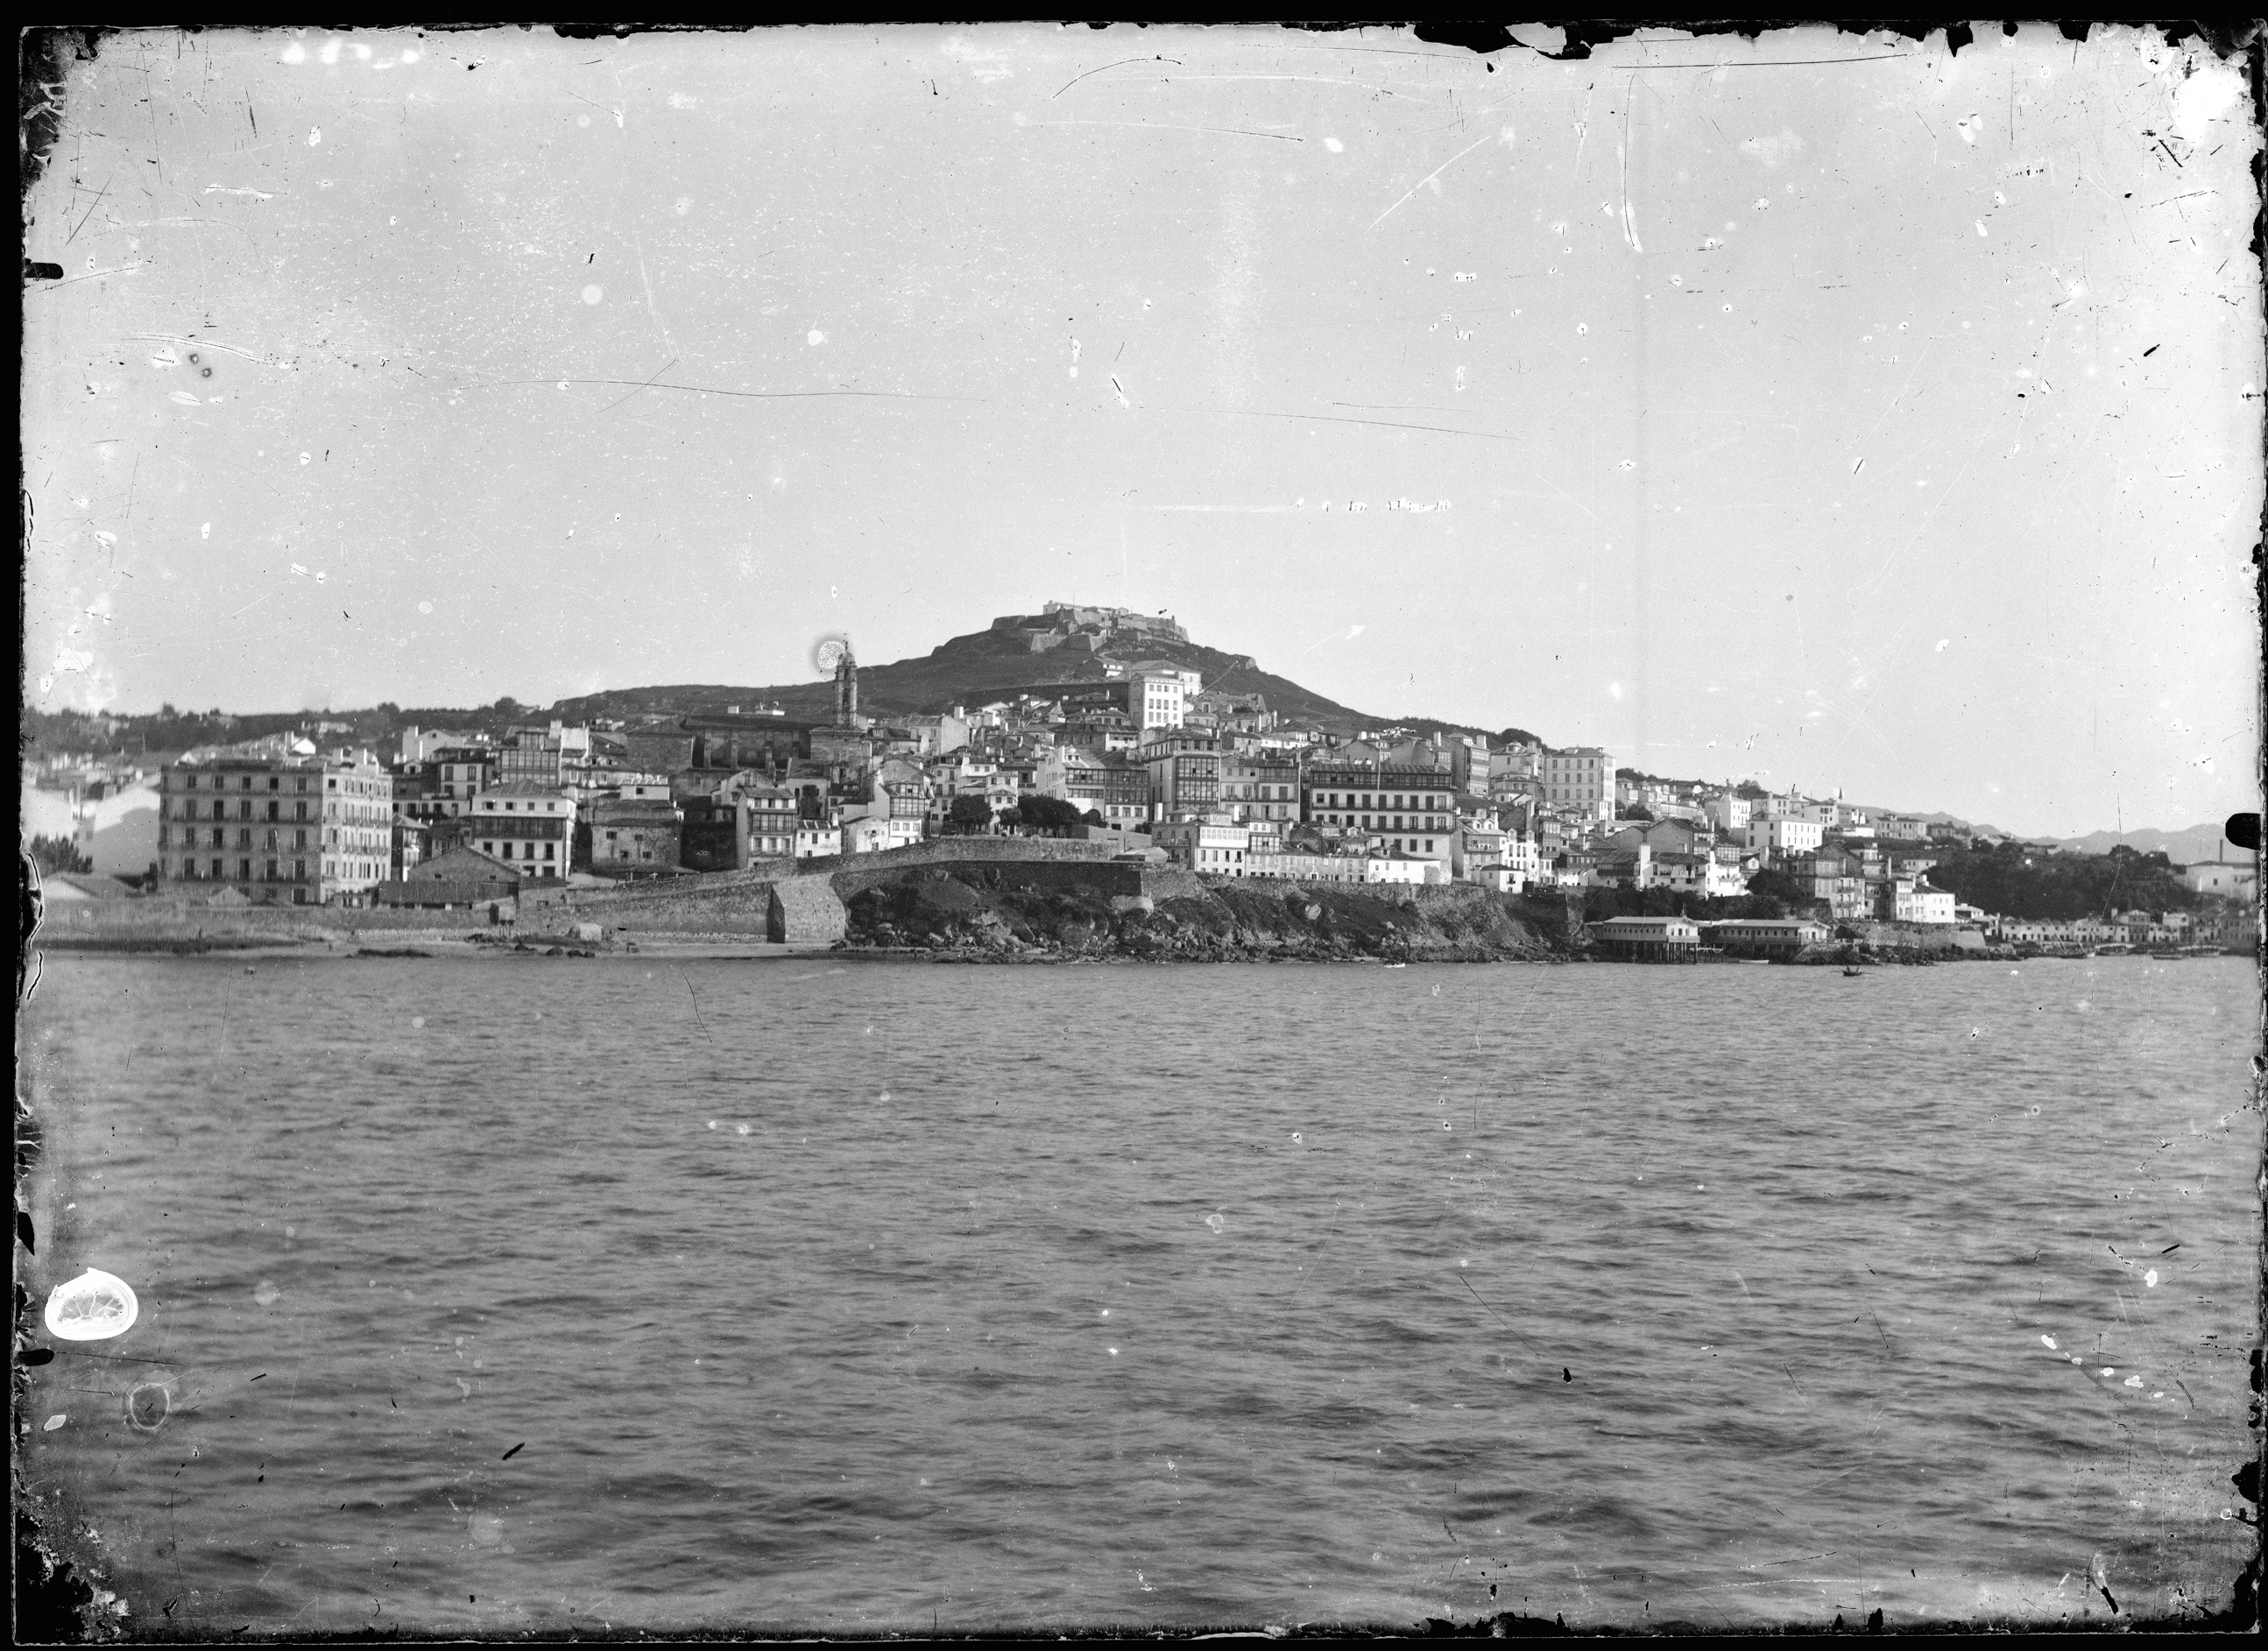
<point x="348" y="944"/>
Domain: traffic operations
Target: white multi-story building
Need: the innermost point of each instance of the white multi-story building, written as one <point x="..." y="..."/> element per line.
<point x="530" y="827"/>
<point x="277" y="821"/>
<point x="1158" y="696"/>
<point x="1581" y="778"/>
<point x="1212" y="844"/>
<point x="2235" y="879"/>
<point x="1783" y="835"/>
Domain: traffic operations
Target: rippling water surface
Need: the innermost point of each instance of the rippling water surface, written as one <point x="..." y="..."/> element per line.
<point x="502" y="1293"/>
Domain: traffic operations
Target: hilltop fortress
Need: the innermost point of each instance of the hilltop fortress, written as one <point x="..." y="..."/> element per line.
<point x="1086" y="629"/>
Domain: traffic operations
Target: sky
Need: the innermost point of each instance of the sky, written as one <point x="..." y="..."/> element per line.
<point x="1826" y="408"/>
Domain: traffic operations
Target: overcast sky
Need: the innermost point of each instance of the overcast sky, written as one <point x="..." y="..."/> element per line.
<point x="1828" y="408"/>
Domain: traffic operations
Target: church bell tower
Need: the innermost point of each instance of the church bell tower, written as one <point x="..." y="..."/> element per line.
<point x="846" y="688"/>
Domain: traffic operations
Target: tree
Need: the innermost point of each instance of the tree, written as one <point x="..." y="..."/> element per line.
<point x="969" y="813"/>
<point x="1047" y="813"/>
<point x="59" y="854"/>
<point x="1776" y="894"/>
<point x="1093" y="817"/>
<point x="1636" y="811"/>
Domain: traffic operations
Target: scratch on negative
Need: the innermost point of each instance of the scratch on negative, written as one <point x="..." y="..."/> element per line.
<point x="1120" y="64"/>
<point x="1429" y="178"/>
<point x="753" y="395"/>
<point x="1622" y="160"/>
<point x="1160" y="126"/>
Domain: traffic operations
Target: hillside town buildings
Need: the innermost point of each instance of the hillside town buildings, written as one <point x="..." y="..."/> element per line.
<point x="1139" y="752"/>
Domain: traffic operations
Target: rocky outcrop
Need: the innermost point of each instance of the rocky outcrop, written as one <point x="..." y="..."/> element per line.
<point x="952" y="912"/>
<point x="805" y="910"/>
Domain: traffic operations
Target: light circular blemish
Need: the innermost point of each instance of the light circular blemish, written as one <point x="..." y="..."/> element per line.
<point x="582" y="120"/>
<point x="266" y="1293"/>
<point x="2151" y="1278"/>
<point x="592" y="293"/>
<point x="422" y="607"/>
<point x="814" y="338"/>
<point x="93" y="1306"/>
<point x="148" y="1405"/>
<point x="1334" y="146"/>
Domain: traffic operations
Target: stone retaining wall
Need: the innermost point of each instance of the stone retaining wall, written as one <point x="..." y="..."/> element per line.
<point x="962" y="850"/>
<point x="1103" y="877"/>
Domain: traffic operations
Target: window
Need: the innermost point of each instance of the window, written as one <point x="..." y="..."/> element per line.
<point x="219" y="838"/>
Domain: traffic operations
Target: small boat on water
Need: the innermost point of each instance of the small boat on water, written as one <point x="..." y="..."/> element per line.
<point x="1850" y="974"/>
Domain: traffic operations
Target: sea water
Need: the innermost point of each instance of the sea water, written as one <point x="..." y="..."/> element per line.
<point x="500" y="1294"/>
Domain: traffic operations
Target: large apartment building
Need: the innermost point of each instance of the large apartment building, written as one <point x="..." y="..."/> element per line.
<point x="529" y="827"/>
<point x="1184" y="768"/>
<point x="277" y="821"/>
<point x="1581" y="779"/>
<point x="1408" y="810"/>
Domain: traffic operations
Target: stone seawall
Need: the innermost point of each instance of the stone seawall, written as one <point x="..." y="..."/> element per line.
<point x="113" y="922"/>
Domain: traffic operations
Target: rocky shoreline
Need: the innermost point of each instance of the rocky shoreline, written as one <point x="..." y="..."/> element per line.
<point x="999" y="914"/>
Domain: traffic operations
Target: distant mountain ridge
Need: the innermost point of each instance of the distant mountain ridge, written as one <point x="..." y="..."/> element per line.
<point x="991" y="664"/>
<point x="2184" y="847"/>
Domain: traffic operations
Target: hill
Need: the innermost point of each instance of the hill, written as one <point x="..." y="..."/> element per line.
<point x="2185" y="847"/>
<point x="2061" y="887"/>
<point x="1016" y="652"/>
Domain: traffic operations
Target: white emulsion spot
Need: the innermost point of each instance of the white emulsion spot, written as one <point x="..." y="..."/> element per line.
<point x="295" y="53"/>
<point x="814" y="338"/>
<point x="1334" y="146"/>
<point x="422" y="607"/>
<point x="314" y="135"/>
<point x="205" y="531"/>
<point x="2151" y="1278"/>
<point x="592" y="293"/>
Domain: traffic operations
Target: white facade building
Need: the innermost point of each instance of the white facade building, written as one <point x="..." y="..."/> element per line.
<point x="1783" y="835"/>
<point x="1580" y="779"/>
